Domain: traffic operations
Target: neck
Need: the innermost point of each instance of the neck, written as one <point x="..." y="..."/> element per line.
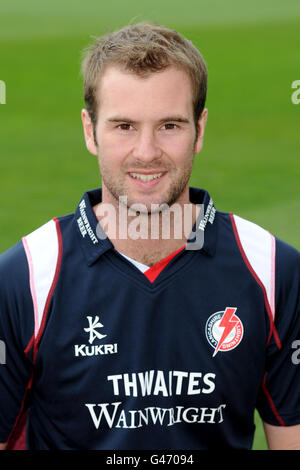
<point x="147" y="237"/>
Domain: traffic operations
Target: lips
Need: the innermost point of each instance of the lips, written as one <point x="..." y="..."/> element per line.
<point x="146" y="177"/>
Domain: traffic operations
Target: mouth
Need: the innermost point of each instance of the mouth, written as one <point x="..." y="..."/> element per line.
<point x="147" y="179"/>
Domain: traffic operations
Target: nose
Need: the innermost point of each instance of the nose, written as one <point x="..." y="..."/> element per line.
<point x="146" y="147"/>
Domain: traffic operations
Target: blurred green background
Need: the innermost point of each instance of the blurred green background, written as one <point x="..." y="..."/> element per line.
<point x="250" y="161"/>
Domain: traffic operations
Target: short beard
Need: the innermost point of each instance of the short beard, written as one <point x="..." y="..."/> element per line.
<point x="173" y="194"/>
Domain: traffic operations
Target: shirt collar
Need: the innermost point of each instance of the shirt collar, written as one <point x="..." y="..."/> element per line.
<point x="94" y="241"/>
<point x="204" y="233"/>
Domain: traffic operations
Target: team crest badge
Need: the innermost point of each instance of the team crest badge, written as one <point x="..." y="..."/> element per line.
<point x="224" y="330"/>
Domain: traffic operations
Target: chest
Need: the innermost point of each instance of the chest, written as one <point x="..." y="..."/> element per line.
<point x="114" y="326"/>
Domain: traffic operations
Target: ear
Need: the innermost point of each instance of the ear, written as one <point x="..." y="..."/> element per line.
<point x="201" y="127"/>
<point x="88" y="130"/>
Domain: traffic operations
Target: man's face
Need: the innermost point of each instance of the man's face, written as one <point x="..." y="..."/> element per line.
<point x="146" y="136"/>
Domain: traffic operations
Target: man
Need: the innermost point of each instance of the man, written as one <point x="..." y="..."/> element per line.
<point x="120" y="337"/>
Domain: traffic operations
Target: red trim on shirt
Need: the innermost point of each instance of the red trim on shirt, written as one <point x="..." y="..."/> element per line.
<point x="17" y="438"/>
<point x="272" y="325"/>
<point x="29" y="345"/>
<point x="273" y="407"/>
<point x="157" y="268"/>
<point x="50" y="294"/>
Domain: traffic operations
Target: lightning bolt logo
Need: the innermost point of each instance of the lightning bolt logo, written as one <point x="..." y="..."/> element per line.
<point x="228" y="322"/>
<point x="224" y="330"/>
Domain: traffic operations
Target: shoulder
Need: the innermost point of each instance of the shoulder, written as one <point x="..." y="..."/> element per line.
<point x="288" y="256"/>
<point x="16" y="310"/>
<point x="37" y="248"/>
<point x="13" y="266"/>
<point x="45" y="241"/>
<point x="27" y="274"/>
<point x="287" y="274"/>
<point x="258" y="238"/>
<point x="273" y="262"/>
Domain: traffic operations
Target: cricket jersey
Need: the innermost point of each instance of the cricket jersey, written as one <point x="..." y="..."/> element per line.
<point x="102" y="352"/>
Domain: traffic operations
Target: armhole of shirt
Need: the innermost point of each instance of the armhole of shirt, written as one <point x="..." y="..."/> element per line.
<point x="258" y="249"/>
<point x="43" y="249"/>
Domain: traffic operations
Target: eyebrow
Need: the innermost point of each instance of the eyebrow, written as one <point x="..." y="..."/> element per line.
<point x="165" y="119"/>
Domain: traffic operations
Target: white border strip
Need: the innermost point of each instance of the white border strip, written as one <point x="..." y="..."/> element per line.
<point x="259" y="247"/>
<point x="42" y="250"/>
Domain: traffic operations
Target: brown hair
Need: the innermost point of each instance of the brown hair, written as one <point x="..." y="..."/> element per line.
<point x="142" y="49"/>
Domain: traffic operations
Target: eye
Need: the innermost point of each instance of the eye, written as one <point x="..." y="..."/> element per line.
<point x="169" y="126"/>
<point x="125" y="126"/>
